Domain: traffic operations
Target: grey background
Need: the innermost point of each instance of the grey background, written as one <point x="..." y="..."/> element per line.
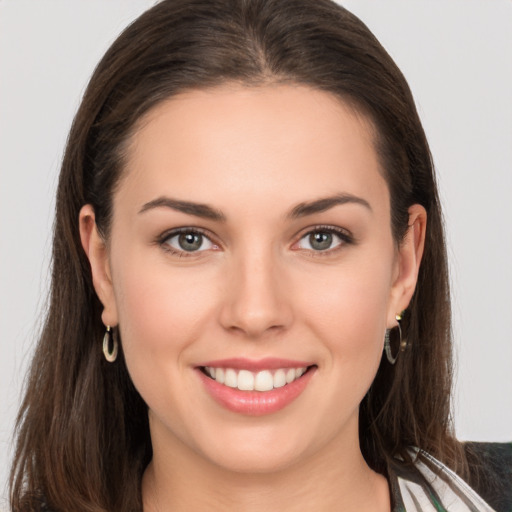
<point x="457" y="57"/>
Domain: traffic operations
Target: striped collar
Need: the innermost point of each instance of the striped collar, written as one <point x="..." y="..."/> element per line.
<point x="429" y="486"/>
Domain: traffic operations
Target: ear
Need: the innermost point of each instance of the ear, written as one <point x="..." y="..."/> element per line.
<point x="409" y="257"/>
<point x="96" y="250"/>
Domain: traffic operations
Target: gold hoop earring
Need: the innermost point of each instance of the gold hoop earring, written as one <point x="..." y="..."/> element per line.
<point x="110" y="345"/>
<point x="387" y="343"/>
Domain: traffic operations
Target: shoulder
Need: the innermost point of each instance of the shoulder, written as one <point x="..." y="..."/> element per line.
<point x="491" y="472"/>
<point x="425" y="484"/>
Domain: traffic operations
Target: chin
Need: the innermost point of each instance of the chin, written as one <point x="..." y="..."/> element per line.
<point x="254" y="460"/>
<point x="264" y="449"/>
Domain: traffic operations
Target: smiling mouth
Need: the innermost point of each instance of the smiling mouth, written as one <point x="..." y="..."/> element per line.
<point x="245" y="380"/>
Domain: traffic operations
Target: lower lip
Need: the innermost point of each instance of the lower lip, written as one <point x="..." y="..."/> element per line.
<point x="256" y="403"/>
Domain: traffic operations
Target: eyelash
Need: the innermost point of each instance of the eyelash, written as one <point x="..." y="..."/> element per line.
<point x="165" y="237"/>
<point x="345" y="237"/>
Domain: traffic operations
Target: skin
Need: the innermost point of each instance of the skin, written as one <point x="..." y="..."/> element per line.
<point x="259" y="289"/>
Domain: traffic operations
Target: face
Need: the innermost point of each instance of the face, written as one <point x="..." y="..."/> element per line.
<point x="251" y="248"/>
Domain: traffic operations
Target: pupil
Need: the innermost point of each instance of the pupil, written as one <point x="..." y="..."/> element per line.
<point x="320" y="241"/>
<point x="190" y="241"/>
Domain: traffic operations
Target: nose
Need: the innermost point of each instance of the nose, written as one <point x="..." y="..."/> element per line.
<point x="257" y="299"/>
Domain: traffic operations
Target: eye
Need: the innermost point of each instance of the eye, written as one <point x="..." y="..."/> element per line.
<point x="323" y="240"/>
<point x="187" y="241"/>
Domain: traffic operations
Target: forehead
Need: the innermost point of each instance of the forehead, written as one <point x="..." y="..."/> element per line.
<point x="244" y="141"/>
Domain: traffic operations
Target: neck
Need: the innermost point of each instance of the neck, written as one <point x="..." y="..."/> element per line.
<point x="333" y="480"/>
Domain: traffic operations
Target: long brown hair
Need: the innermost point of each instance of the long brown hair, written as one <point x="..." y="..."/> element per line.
<point x="82" y="437"/>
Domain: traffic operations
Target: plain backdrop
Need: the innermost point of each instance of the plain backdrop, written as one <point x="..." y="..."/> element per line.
<point x="457" y="56"/>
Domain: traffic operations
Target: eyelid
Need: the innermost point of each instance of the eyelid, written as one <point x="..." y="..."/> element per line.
<point x="166" y="235"/>
<point x="345" y="236"/>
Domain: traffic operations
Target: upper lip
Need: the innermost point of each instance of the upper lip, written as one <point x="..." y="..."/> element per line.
<point x="255" y="365"/>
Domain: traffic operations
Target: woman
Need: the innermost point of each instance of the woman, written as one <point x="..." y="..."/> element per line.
<point x="250" y="304"/>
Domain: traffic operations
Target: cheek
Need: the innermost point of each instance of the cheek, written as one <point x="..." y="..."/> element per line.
<point x="348" y="311"/>
<point x="351" y="300"/>
<point x="161" y="312"/>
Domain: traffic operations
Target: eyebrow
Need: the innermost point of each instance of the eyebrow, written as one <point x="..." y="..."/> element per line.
<point x="197" y="209"/>
<point x="324" y="204"/>
<point x="208" y="212"/>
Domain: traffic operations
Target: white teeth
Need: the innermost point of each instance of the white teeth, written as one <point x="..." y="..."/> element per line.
<point x="245" y="380"/>
<point x="220" y="375"/>
<point x="290" y="376"/>
<point x="279" y="379"/>
<point x="230" y="378"/>
<point x="263" y="381"/>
